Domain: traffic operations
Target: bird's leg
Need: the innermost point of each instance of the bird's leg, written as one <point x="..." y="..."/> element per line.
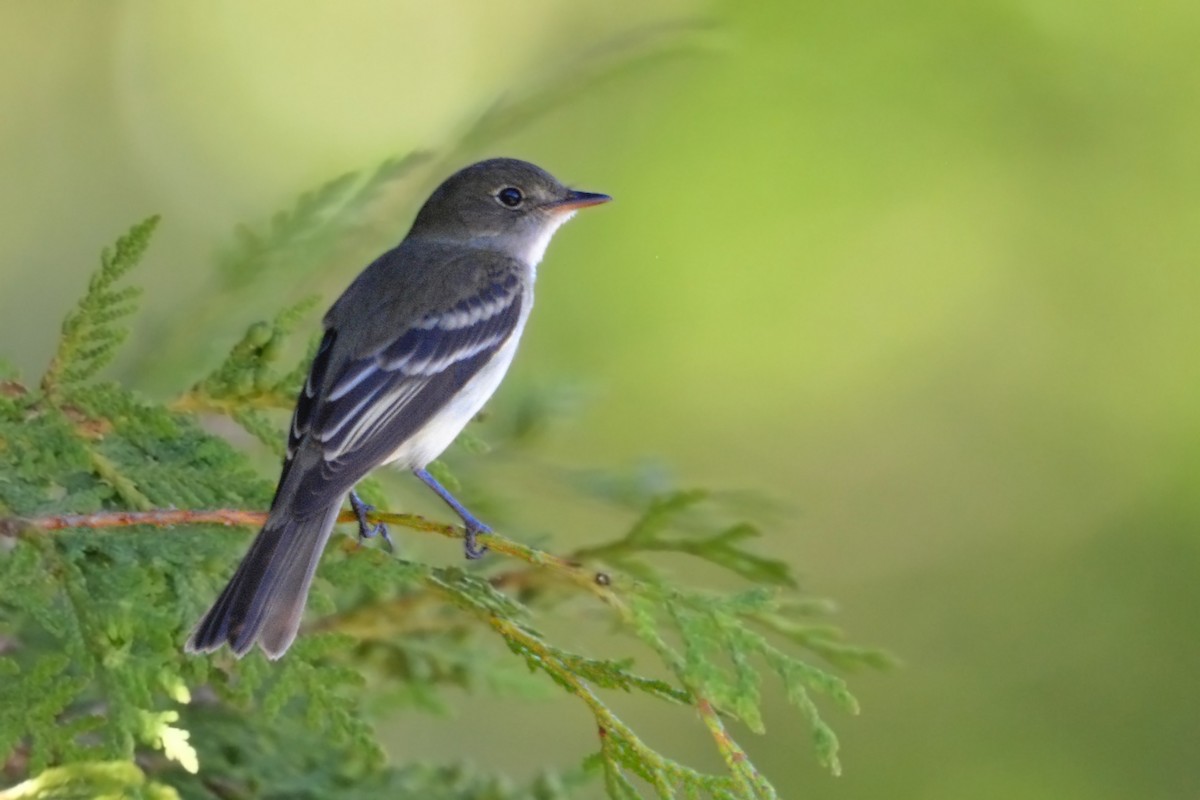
<point x="473" y="526"/>
<point x="365" y="529"/>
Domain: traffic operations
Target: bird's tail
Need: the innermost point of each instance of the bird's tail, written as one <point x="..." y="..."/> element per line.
<point x="265" y="599"/>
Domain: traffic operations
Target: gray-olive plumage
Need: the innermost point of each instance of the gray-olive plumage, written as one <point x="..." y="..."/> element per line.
<point x="412" y="350"/>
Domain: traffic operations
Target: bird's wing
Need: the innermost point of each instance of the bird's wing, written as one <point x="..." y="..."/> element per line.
<point x="362" y="414"/>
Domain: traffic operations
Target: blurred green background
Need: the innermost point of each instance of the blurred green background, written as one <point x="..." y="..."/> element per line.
<point x="926" y="272"/>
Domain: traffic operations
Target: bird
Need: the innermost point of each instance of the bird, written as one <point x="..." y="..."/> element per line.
<point x="411" y="352"/>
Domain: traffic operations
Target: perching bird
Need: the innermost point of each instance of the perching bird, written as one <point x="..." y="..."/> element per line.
<point x="412" y="350"/>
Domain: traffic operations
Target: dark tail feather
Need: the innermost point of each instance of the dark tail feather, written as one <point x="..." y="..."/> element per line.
<point x="265" y="599"/>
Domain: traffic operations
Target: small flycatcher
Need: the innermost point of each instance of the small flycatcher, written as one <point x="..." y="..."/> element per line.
<point x="412" y="350"/>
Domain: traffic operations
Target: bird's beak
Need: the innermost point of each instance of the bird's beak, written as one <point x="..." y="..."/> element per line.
<point x="575" y="200"/>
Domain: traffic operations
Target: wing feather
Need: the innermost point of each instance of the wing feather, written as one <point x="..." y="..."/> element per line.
<point x="369" y="406"/>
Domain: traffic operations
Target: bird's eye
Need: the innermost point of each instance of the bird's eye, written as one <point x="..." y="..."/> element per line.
<point x="510" y="196"/>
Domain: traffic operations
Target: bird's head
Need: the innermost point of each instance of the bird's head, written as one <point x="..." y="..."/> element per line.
<point x="502" y="204"/>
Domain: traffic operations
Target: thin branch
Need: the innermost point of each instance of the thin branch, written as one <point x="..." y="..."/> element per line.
<point x="607" y="722"/>
<point x="10" y="526"/>
<point x="739" y="764"/>
<point x="597" y="582"/>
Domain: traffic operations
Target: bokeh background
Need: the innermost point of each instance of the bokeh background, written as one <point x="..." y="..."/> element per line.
<point x="924" y="272"/>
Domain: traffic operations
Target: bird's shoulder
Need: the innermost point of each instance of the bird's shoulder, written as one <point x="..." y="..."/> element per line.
<point x="417" y="278"/>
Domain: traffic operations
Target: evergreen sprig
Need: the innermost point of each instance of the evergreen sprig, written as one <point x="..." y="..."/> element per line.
<point x="90" y="333"/>
<point x="88" y="780"/>
<point x="657" y="530"/>
<point x="308" y="233"/>
<point x="248" y="382"/>
<point x="713" y="664"/>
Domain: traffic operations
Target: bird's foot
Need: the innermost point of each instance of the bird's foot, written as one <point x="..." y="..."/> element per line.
<point x="473" y="528"/>
<point x="365" y="529"/>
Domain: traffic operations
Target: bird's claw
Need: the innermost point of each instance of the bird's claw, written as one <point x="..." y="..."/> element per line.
<point x="365" y="529"/>
<point x="471" y="548"/>
<point x="379" y="529"/>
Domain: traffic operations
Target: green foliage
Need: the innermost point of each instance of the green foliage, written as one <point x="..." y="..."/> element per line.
<point x="247" y="382"/>
<point x="246" y="375"/>
<point x="96" y="780"/>
<point x="307" y="234"/>
<point x="653" y="533"/>
<point x="248" y="762"/>
<point x="97" y="698"/>
<point x="90" y="334"/>
<point x="91" y="623"/>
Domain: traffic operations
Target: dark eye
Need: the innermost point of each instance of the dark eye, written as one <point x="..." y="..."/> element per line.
<point x="510" y="196"/>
